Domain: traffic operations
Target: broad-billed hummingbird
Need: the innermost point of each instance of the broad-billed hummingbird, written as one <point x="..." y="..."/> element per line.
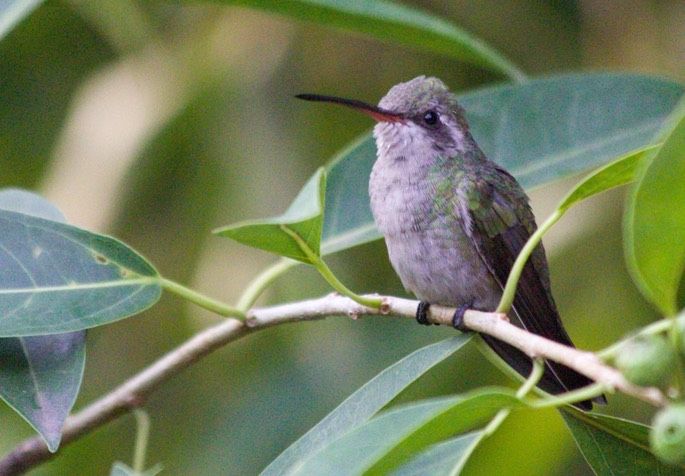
<point x="454" y="221"/>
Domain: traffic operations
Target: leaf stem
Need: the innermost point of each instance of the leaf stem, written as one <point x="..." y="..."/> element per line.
<point x="201" y="300"/>
<point x="326" y="272"/>
<point x="516" y="270"/>
<point x="528" y="385"/>
<point x="535" y="376"/>
<point x="262" y="281"/>
<point x="328" y="275"/>
<point x="142" y="438"/>
<point x="569" y="398"/>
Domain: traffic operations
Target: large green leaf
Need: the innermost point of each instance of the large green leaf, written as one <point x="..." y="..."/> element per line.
<point x="365" y="402"/>
<point x="395" y="23"/>
<point x="58" y="278"/>
<point x="540" y="131"/>
<point x="291" y="234"/>
<point x="615" y="446"/>
<point x="386" y="441"/>
<point x="40" y="376"/>
<point x="13" y="11"/>
<point x="655" y="223"/>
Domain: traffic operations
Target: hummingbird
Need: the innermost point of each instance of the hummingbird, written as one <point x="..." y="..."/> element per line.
<point x="454" y="222"/>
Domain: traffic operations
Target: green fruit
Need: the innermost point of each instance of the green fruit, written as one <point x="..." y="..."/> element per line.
<point x="646" y="360"/>
<point x="667" y="436"/>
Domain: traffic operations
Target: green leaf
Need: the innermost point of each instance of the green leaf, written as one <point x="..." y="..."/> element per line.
<point x="365" y="402"/>
<point x="395" y="23"/>
<point x="475" y="409"/>
<point x="540" y="131"/>
<point x="615" y="446"/>
<point x="58" y="278"/>
<point x="40" y="376"/>
<point x="620" y="172"/>
<point x="441" y="458"/>
<point x="386" y="441"/>
<point x="654" y="228"/>
<point x="297" y="234"/>
<point x="14" y="11"/>
<point x="304" y="219"/>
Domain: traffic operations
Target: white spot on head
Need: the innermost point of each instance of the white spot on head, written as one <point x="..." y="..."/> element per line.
<point x="37" y="251"/>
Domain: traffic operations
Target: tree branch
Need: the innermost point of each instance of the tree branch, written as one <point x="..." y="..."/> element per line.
<point x="133" y="393"/>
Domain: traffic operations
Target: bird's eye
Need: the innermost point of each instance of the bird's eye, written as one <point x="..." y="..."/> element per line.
<point x="431" y="118"/>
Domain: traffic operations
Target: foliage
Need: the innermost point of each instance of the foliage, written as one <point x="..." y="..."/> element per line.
<point x="59" y="279"/>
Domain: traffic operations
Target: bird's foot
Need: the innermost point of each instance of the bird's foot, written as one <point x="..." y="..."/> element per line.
<point x="422" y="313"/>
<point x="458" y="318"/>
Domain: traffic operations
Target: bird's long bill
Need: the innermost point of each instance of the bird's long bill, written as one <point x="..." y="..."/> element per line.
<point x="379" y="114"/>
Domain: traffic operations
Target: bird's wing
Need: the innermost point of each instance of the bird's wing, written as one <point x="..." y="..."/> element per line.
<point x="499" y="221"/>
<point x="499" y="225"/>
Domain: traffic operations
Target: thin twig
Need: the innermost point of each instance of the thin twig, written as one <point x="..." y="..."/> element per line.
<point x="133" y="393"/>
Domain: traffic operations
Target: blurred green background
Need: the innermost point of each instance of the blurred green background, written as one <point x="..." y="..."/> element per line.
<point x="157" y="122"/>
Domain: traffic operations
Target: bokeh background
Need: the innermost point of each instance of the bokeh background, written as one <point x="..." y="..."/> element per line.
<point x="157" y="121"/>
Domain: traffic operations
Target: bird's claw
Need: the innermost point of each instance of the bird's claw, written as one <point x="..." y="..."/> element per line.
<point x="422" y="313"/>
<point x="458" y="318"/>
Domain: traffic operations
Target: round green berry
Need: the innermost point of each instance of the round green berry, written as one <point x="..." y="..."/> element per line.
<point x="667" y="436"/>
<point x="646" y="360"/>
